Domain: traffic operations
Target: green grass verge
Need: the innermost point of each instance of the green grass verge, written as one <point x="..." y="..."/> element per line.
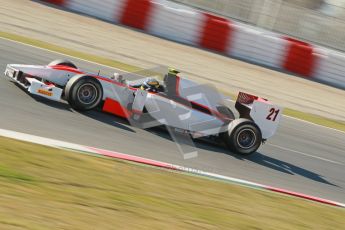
<point x="46" y="188"/>
<point x="89" y="57"/>
<point x="126" y="67"/>
<point x="339" y="125"/>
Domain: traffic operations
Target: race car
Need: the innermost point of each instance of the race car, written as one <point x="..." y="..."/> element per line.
<point x="197" y="110"/>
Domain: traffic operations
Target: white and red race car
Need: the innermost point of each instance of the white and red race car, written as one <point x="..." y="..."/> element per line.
<point x="190" y="108"/>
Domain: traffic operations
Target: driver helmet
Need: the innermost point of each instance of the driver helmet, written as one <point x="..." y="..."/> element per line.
<point x="173" y="71"/>
<point x="151" y="85"/>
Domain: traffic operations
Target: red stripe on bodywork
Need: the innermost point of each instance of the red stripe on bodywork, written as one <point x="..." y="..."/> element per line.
<point x="195" y="104"/>
<point x="177" y="88"/>
<point x="66" y="68"/>
<point x="77" y="71"/>
<point x="56" y="2"/>
<point x="245" y="98"/>
<point x="109" y="80"/>
<point x="114" y="107"/>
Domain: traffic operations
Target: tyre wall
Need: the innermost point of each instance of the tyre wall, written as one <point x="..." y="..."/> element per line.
<point x="189" y="26"/>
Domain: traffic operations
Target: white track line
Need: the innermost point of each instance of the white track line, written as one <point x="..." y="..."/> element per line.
<point x="76" y="147"/>
<point x="51" y="51"/>
<point x="306" y="154"/>
<point x="311" y="123"/>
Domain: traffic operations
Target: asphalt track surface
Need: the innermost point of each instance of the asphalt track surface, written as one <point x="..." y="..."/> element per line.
<point x="301" y="157"/>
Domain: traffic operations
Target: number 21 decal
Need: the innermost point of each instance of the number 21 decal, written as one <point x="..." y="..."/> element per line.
<point x="273" y="113"/>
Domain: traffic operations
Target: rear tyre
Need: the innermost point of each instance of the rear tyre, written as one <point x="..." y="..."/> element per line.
<point x="83" y="92"/>
<point x="63" y="62"/>
<point x="243" y="137"/>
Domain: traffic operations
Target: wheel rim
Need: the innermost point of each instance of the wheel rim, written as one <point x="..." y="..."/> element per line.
<point x="87" y="94"/>
<point x="246" y="138"/>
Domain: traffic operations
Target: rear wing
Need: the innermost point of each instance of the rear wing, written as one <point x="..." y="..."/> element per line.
<point x="265" y="114"/>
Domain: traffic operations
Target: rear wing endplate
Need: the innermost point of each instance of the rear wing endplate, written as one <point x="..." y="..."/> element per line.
<point x="265" y="114"/>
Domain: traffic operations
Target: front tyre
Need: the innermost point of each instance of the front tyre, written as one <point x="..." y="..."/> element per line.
<point x="83" y="92"/>
<point x="63" y="62"/>
<point x="243" y="137"/>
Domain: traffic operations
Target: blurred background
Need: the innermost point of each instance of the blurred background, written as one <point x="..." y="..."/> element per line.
<point x="318" y="21"/>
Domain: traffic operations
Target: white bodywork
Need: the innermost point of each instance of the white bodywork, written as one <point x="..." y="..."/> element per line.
<point x="171" y="113"/>
<point x="260" y="113"/>
<point x="166" y="110"/>
<point x="60" y="77"/>
<point x="36" y="87"/>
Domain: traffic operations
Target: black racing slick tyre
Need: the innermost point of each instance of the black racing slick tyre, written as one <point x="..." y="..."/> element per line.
<point x="243" y="137"/>
<point x="83" y="92"/>
<point x="63" y="62"/>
